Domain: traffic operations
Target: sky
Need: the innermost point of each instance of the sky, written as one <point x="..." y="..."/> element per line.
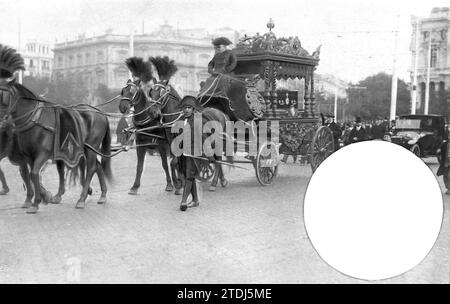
<point x="357" y="36"/>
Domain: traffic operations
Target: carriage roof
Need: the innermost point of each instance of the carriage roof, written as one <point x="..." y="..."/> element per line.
<point x="275" y="58"/>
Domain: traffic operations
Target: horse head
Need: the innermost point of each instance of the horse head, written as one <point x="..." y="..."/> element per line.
<point x="129" y="96"/>
<point x="11" y="93"/>
<point x="166" y="101"/>
<point x="158" y="95"/>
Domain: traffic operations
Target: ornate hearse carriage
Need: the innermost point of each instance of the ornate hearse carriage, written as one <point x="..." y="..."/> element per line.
<point x="266" y="63"/>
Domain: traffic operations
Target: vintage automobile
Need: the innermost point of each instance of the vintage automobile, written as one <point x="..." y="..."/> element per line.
<point x="421" y="134"/>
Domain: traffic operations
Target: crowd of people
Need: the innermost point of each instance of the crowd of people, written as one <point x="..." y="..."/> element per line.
<point x="360" y="130"/>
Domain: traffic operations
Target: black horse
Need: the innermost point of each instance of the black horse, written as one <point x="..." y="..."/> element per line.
<point x="149" y="134"/>
<point x="9" y="149"/>
<point x="36" y="139"/>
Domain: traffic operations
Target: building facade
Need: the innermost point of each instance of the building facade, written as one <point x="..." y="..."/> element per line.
<point x="38" y="59"/>
<point x="101" y="59"/>
<point x="435" y="27"/>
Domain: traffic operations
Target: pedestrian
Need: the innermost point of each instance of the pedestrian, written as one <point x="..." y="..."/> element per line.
<point x="189" y="165"/>
<point x="444" y="161"/>
<point x="335" y="129"/>
<point x="377" y="130"/>
<point x="358" y="133"/>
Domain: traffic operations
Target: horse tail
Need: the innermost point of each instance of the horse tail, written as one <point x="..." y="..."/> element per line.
<point x="106" y="150"/>
<point x="73" y="174"/>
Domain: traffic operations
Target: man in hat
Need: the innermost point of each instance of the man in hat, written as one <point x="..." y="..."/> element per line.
<point x="224" y="60"/>
<point x="222" y="64"/>
<point x="357" y="134"/>
<point x="335" y="129"/>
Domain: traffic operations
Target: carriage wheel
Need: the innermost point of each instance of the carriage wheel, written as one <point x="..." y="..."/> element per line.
<point x="267" y="163"/>
<point x="322" y="146"/>
<point x="206" y="171"/>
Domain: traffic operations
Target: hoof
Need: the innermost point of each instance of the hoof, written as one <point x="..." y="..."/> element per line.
<point x="90" y="191"/>
<point x="169" y="188"/>
<point x="193" y="204"/>
<point x="56" y="199"/>
<point x="183" y="207"/>
<point x="212" y="188"/>
<point x="32" y="209"/>
<point x="4" y="191"/>
<point x="47" y="197"/>
<point x="178" y="191"/>
<point x="80" y="205"/>
<point x="224" y="183"/>
<point x="102" y="200"/>
<point x="27" y="204"/>
<point x="133" y="191"/>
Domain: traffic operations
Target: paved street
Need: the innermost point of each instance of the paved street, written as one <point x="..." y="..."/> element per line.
<point x="242" y="234"/>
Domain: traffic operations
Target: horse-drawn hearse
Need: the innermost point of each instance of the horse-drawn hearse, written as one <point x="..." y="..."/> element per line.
<point x="275" y="121"/>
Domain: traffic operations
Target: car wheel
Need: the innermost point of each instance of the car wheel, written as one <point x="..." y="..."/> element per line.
<point x="416" y="150"/>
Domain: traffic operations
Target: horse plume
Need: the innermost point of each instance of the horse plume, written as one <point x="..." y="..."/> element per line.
<point x="10" y="61"/>
<point x="139" y="68"/>
<point x="165" y="67"/>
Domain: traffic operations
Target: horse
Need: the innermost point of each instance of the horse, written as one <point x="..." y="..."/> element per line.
<point x="36" y="139"/>
<point x="149" y="135"/>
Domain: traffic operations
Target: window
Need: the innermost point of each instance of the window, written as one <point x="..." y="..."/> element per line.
<point x="60" y="61"/>
<point x="433" y="58"/>
<point x="88" y="58"/>
<point x="100" y="56"/>
<point x="31" y="63"/>
<point x="79" y="59"/>
<point x="45" y="65"/>
<point x="425" y="35"/>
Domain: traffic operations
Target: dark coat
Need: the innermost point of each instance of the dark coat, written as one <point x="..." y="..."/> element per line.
<point x="222" y="63"/>
<point x="337" y="132"/>
<point x="360" y="135"/>
<point x="444" y="159"/>
<point x="378" y="132"/>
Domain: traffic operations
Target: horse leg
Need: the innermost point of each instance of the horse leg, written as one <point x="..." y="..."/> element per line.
<point x="37" y="164"/>
<point x="25" y="173"/>
<point x="223" y="180"/>
<point x="91" y="162"/>
<point x="61" y="189"/>
<point x="82" y="168"/>
<point x="5" y="188"/>
<point x="215" y="179"/>
<point x="103" y="187"/>
<point x="140" y="151"/>
<point x="162" y="153"/>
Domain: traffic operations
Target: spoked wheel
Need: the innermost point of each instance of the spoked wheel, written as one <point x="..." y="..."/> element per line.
<point x="322" y="146"/>
<point x="416" y="150"/>
<point x="206" y="171"/>
<point x="267" y="163"/>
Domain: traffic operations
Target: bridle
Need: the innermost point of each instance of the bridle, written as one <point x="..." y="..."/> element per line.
<point x="162" y="99"/>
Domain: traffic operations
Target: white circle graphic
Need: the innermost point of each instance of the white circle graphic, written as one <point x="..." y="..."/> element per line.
<point x="373" y="210"/>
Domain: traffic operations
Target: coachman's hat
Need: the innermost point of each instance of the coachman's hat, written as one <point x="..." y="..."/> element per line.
<point x="221" y="41"/>
<point x="358" y="120"/>
<point x="190" y="101"/>
<point x="330" y="115"/>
